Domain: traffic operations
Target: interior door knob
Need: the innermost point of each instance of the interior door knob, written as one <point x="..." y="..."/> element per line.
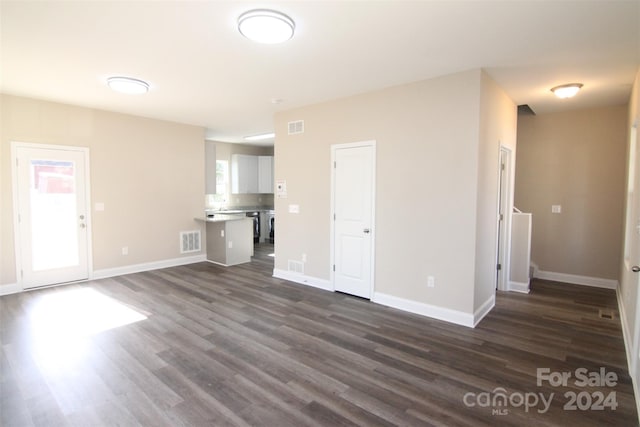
<point x="366" y="231"/>
<point x="635" y="269"/>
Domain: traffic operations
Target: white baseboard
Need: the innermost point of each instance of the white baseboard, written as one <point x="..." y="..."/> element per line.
<point x="533" y="270"/>
<point x="628" y="339"/>
<point x="440" y="313"/>
<point x="519" y="287"/>
<point x="119" y="271"/>
<point x="147" y="266"/>
<point x="302" y="279"/>
<point x="628" y="346"/>
<point x="484" y="309"/>
<point x="10" y="288"/>
<point x="575" y="279"/>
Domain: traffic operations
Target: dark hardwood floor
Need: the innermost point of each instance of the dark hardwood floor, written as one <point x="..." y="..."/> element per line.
<point x="203" y="345"/>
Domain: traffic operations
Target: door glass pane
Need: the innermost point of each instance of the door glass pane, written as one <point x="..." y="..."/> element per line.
<point x="54" y="216"/>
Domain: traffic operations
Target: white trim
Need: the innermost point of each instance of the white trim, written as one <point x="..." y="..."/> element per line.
<point x="10" y="288"/>
<point x="334" y="148"/>
<point x="628" y="346"/>
<point x="484" y="309"/>
<point x="218" y="263"/>
<point x="626" y="334"/>
<point x="522" y="287"/>
<point x="303" y="279"/>
<point x="440" y="313"/>
<point x="506" y="256"/>
<point x="147" y="266"/>
<point x="533" y="269"/>
<point x="575" y="279"/>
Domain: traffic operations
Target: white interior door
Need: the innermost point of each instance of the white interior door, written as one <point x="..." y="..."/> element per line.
<point x="632" y="245"/>
<point x="51" y="200"/>
<point x="353" y="233"/>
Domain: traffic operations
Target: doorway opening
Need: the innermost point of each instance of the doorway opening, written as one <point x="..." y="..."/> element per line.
<point x="503" y="220"/>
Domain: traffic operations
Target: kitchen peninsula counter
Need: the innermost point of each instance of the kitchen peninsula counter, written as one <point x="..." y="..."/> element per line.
<point x="229" y="239"/>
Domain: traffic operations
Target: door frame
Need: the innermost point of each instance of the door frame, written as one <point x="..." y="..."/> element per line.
<point x="15" y="145"/>
<point x="332" y="259"/>
<point x="504" y="241"/>
<point x="631" y="278"/>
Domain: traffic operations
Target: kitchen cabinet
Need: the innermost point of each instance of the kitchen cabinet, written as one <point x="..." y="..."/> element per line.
<point x="265" y="174"/>
<point x="251" y="174"/>
<point x="244" y="174"/>
<point x="210" y="167"/>
<point x="229" y="242"/>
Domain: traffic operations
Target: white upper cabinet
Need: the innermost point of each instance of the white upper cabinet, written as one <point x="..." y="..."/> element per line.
<point x="265" y="174"/>
<point x="244" y="174"/>
<point x="251" y="174"/>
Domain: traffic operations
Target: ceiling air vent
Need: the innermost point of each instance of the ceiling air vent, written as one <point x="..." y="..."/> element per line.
<point x="296" y="127"/>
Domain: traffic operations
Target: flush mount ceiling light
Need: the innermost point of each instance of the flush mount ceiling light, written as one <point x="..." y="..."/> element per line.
<point x="128" y="85"/>
<point x="266" y="26"/>
<point x="566" y="91"/>
<point x="260" y="137"/>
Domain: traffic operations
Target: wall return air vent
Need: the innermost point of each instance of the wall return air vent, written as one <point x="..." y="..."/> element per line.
<point x="296" y="127"/>
<point x="189" y="241"/>
<point x="295" y="267"/>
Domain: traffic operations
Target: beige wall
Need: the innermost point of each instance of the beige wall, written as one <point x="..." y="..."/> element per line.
<point x="575" y="159"/>
<point x="427" y="135"/>
<point x="498" y="120"/>
<point x="224" y="151"/>
<point x="148" y="173"/>
<point x="628" y="291"/>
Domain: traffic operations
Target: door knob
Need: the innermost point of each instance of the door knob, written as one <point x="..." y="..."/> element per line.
<point x="366" y="231"/>
<point x="82" y="226"/>
<point x="635" y="269"/>
<point x="81" y="216"/>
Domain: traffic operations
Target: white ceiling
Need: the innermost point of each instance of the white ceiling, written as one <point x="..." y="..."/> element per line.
<point x="203" y="72"/>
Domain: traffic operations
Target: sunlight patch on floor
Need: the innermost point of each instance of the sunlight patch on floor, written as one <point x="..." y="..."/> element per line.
<point x="63" y="321"/>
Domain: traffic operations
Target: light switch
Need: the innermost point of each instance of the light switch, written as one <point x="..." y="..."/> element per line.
<point x="294" y="209"/>
<point x="556" y="209"/>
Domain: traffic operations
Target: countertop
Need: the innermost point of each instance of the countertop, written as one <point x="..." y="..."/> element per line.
<point x="222" y="217"/>
<point x="239" y="210"/>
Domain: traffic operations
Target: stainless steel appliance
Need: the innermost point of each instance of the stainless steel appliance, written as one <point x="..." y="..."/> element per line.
<point x="256" y="225"/>
<point x="271" y="224"/>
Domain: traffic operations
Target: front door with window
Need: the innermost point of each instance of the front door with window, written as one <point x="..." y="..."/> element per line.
<point x="51" y="214"/>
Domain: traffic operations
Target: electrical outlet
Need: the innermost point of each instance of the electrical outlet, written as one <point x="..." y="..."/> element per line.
<point x="221" y="233"/>
<point x="304" y="257"/>
<point x="230" y="245"/>
<point x="431" y="282"/>
<point x="556" y="208"/>
<point x="125" y="250"/>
